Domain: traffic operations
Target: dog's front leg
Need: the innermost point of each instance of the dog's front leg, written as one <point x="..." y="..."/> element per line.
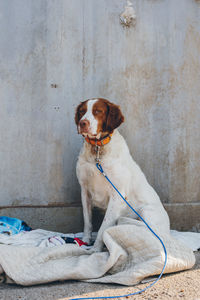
<point x="113" y="212"/>
<point x="87" y="215"/>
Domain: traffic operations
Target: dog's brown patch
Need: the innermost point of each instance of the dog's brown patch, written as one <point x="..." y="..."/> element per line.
<point x="108" y="114"/>
<point x="80" y="111"/>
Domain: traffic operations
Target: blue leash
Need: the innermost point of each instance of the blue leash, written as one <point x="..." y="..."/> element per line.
<point x="99" y="167"/>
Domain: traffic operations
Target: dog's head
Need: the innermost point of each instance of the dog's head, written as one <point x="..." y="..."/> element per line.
<point x="96" y="116"/>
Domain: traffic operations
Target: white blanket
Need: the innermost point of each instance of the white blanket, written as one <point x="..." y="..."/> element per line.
<point x="132" y="253"/>
<point x="39" y="238"/>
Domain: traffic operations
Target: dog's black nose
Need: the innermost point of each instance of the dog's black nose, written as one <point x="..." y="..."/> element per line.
<point x="84" y="124"/>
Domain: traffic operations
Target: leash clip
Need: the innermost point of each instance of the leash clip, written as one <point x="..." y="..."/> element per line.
<point x="97" y="159"/>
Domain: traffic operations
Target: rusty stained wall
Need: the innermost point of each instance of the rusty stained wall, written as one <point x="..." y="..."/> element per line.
<point x="152" y="70"/>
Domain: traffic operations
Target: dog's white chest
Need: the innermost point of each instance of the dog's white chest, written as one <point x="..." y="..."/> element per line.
<point x="97" y="186"/>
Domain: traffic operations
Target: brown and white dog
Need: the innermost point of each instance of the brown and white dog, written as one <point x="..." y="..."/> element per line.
<point x="97" y="120"/>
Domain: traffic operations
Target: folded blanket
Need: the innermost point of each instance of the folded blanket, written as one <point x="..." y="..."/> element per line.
<point x="132" y="253"/>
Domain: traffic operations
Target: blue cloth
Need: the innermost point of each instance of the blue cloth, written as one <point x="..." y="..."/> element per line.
<point x="12" y="226"/>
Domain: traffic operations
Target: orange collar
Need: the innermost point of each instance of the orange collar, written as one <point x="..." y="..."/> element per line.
<point x="102" y="142"/>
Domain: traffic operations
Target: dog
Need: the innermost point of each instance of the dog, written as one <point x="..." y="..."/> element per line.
<point x="97" y="121"/>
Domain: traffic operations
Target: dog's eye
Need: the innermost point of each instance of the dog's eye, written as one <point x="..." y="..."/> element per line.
<point x="97" y="111"/>
<point x="82" y="111"/>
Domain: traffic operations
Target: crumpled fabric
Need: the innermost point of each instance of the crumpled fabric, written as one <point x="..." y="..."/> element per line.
<point x="131" y="254"/>
<point x="43" y="238"/>
<point x="189" y="239"/>
<point x="12" y="226"/>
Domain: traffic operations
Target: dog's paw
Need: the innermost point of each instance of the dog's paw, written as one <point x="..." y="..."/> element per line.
<point x="86" y="239"/>
<point x="93" y="250"/>
<point x="97" y="247"/>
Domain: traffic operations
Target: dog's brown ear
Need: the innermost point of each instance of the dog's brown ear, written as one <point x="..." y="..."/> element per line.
<point x="76" y="118"/>
<point x="114" y="118"/>
<point x="77" y="113"/>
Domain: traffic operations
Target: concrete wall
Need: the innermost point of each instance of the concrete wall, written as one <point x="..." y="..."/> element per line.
<point x="152" y="70"/>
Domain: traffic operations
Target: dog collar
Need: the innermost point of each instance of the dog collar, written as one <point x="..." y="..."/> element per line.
<point x="101" y="142"/>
